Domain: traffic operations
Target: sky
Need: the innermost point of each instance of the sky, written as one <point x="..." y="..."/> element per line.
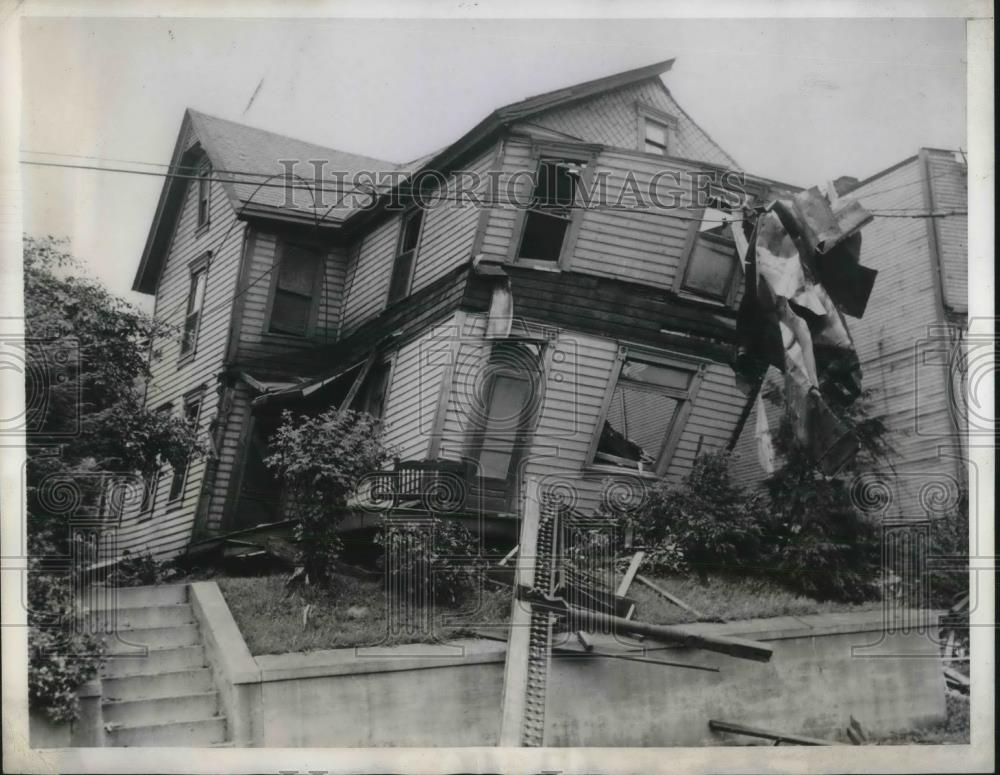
<point x="799" y="101"/>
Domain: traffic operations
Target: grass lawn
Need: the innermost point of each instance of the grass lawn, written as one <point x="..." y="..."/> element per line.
<point x="955" y="730"/>
<point x="352" y="612"/>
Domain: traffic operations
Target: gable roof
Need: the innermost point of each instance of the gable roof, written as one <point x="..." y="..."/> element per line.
<point x="246" y="162"/>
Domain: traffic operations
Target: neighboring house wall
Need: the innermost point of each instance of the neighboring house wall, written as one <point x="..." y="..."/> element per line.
<point x="166" y="529"/>
<point x="902" y="340"/>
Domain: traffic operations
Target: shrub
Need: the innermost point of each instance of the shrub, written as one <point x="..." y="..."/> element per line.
<point x="321" y="459"/>
<point x="433" y="552"/>
<point x="60" y="659"/>
<point x="706" y="522"/>
<point x="142" y="569"/>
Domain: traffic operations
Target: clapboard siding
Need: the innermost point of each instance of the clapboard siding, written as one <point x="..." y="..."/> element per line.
<point x="449" y="227"/>
<point x="255" y="342"/>
<point x="612" y="119"/>
<point x="950" y="192"/>
<point x="895" y="341"/>
<point x="368" y="274"/>
<point x="168" y="530"/>
<point x="229" y="451"/>
<point x="412" y="401"/>
<point x="575" y="384"/>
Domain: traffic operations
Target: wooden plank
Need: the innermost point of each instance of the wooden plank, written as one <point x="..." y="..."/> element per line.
<point x="777" y="737"/>
<point x="673" y="599"/>
<point x="515" y="677"/>
<point x="633" y="569"/>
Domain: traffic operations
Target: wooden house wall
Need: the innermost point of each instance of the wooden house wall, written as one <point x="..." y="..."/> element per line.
<point x="575" y="384"/>
<point x="168" y="530"/>
<point x="950" y="192"/>
<point x="233" y="439"/>
<point x="612" y="119"/>
<point x="446" y="240"/>
<point x="255" y="342"/>
<point x="415" y="386"/>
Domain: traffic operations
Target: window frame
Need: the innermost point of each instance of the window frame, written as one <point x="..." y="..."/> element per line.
<point x="196" y="269"/>
<point x="404" y="220"/>
<point x="583" y="154"/>
<point x="282" y="244"/>
<point x="684" y="265"/>
<point x="193" y="398"/>
<point x="388" y="363"/>
<point x="203" y="194"/>
<point x="646" y="113"/>
<point x="678" y="422"/>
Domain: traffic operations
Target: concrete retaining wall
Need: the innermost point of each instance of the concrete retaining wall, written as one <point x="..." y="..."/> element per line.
<point x="86" y="732"/>
<point x="825" y="669"/>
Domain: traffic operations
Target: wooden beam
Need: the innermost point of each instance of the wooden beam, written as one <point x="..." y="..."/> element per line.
<point x="777" y="737"/>
<point x="675" y="600"/>
<point x="633" y="569"/>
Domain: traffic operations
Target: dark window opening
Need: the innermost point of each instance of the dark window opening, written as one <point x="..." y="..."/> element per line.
<point x="149" y="483"/>
<point x="196" y="300"/>
<point x="402" y="268"/>
<point x="295" y="290"/>
<point x="372" y="394"/>
<point x="259" y="499"/>
<point x="191" y="410"/>
<point x="641" y="414"/>
<point x="548" y="218"/>
<point x="204" y="193"/>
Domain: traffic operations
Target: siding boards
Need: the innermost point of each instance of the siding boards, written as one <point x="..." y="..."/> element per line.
<point x="169" y="529"/>
<point x="255" y="343"/>
<point x="369" y="274"/>
<point x="611" y="119"/>
<point x="949" y="186"/>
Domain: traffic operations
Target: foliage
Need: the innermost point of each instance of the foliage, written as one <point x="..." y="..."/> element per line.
<point x="949" y="538"/>
<point x="821" y="544"/>
<point x="59" y="657"/>
<point x="87" y="354"/>
<point x="425" y="553"/>
<point x="705" y="523"/>
<point x="140" y="570"/>
<point x="321" y="459"/>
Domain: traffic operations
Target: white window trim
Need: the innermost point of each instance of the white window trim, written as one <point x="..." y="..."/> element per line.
<point x="644" y="112"/>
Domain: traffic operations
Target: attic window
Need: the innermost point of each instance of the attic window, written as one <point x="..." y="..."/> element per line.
<point x="657" y="131"/>
<point x="709" y="268"/>
<point x="204" y="193"/>
<point x="406" y="253"/>
<point x="294" y="290"/>
<point x="643" y="412"/>
<point x="548" y="218"/>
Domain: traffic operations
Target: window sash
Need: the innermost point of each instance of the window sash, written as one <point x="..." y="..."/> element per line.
<point x="294" y="295"/>
<point x="179" y="477"/>
<point x="406" y="252"/>
<point x="196" y="300"/>
<point x="204" y="194"/>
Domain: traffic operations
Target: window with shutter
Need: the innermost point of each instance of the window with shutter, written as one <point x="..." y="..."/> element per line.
<point x="196" y="300"/>
<point x="406" y="253"/>
<point x="295" y="290"/>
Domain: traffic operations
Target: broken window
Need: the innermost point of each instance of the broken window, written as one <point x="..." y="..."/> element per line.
<point x="191" y="409"/>
<point x="204" y="193"/>
<point x="195" y="302"/>
<point x="406" y="253"/>
<point x="372" y="394"/>
<point x="642" y="411"/>
<point x="295" y="290"/>
<point x="710" y="268"/>
<point x="548" y="218"/>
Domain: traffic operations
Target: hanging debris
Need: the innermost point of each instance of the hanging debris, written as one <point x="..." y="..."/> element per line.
<point x="802" y="275"/>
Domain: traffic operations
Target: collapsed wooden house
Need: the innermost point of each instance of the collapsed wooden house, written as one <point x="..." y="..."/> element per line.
<point x="529" y="332"/>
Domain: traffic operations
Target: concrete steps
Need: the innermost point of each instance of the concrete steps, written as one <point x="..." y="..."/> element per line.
<point x="157" y="687"/>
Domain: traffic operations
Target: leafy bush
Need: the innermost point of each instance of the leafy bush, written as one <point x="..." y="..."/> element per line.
<point x="425" y="553"/>
<point x="705" y="523"/>
<point x="950" y="538"/>
<point x="321" y="459"/>
<point x="141" y="569"/>
<point x="60" y="659"/>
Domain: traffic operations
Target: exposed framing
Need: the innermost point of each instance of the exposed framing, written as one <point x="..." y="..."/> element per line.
<point x="674" y="360"/>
